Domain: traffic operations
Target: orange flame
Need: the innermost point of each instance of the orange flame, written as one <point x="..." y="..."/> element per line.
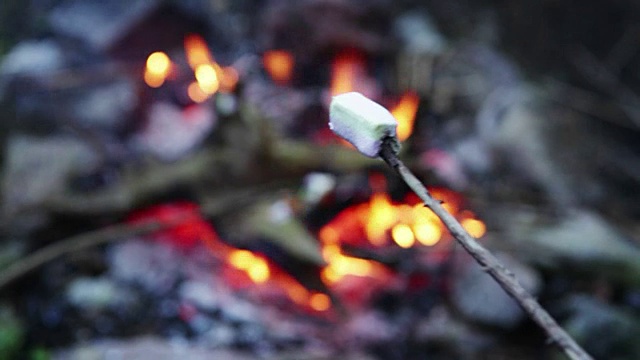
<point x="403" y="235"/>
<point x="197" y="51"/>
<point x="207" y="78"/>
<point x="210" y="77"/>
<point x="405" y="113"/>
<point x="157" y="69"/>
<point x="380" y="220"/>
<point x="347" y="72"/>
<point x="196" y="94"/>
<point x="474" y="227"/>
<point x="229" y="79"/>
<point x="279" y="64"/>
<point x="320" y="302"/>
<point x="255" y="266"/>
<point x="381" y="217"/>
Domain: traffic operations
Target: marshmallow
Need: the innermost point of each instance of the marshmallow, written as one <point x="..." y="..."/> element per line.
<point x="362" y="122"/>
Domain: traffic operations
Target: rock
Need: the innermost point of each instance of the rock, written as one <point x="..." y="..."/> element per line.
<point x="219" y="336"/>
<point x="461" y="339"/>
<point x="37" y="168"/>
<point x="316" y="186"/>
<point x="605" y="331"/>
<point x="33" y="58"/>
<point x="419" y="33"/>
<point x="145" y="348"/>
<point x="200" y="294"/>
<point x="172" y="132"/>
<point x="582" y="241"/>
<point x="97" y="23"/>
<point x="96" y="293"/>
<point x="240" y="311"/>
<point x="479" y="297"/>
<point x="154" y="266"/>
<point x="106" y="107"/>
<point x="370" y="327"/>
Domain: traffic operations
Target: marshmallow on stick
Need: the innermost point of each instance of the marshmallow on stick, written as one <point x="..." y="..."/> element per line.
<point x="362" y="122"/>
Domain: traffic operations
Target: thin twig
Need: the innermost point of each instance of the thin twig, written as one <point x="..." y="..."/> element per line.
<point x="489" y="263"/>
<point x="76" y="243"/>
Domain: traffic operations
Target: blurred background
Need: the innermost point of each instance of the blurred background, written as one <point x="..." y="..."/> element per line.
<point x="170" y="187"/>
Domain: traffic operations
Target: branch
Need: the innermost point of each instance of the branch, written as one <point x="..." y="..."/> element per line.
<point x="76" y="243"/>
<point x="490" y="264"/>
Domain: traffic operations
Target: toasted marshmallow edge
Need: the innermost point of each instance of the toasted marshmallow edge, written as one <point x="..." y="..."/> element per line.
<point x="362" y="122"/>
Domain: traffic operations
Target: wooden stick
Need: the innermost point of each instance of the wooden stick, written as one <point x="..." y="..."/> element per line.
<point x="489" y="263"/>
<point x="46" y="254"/>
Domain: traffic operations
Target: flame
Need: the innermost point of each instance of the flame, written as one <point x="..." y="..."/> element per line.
<point x="380" y="219"/>
<point x="196" y="94"/>
<point x="405" y="112"/>
<point x="210" y="76"/>
<point x="474" y="227"/>
<point x="157" y="69"/>
<point x="256" y="267"/>
<point x="320" y="302"/>
<point x="348" y="71"/>
<point x="207" y="78"/>
<point x="403" y="235"/>
<point x="197" y="51"/>
<point x="408" y="225"/>
<point x="279" y="64"/>
<point x="427" y="233"/>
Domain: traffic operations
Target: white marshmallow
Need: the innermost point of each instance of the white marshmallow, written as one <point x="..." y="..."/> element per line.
<point x="362" y="122"/>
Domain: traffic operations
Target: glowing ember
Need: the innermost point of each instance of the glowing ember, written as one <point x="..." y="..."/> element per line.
<point x="427" y="233"/>
<point x="207" y="78"/>
<point x="279" y="64"/>
<point x="475" y="228"/>
<point x="381" y="217"/>
<point x="348" y="72"/>
<point x="255" y="266"/>
<point x="195" y="93"/>
<point x="197" y="51"/>
<point x="319" y="302"/>
<point x="405" y="113"/>
<point x="157" y="69"/>
<point x="259" y="270"/>
<point x="229" y="79"/>
<point x="403" y="235"/>
<point x="241" y="259"/>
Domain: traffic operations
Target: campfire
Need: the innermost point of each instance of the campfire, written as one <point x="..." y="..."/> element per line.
<point x="377" y="224"/>
<point x="170" y="172"/>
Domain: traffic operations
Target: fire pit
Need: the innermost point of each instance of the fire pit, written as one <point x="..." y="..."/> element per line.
<point x="170" y="182"/>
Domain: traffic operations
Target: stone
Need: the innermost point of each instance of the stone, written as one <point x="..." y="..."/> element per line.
<point x="479" y="297"/>
<point x="172" y="132"/>
<point x="583" y="241"/>
<point x="96" y="293"/>
<point x="154" y="266"/>
<point x="38" y="168"/>
<point x="33" y="58"/>
<point x="606" y="332"/>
